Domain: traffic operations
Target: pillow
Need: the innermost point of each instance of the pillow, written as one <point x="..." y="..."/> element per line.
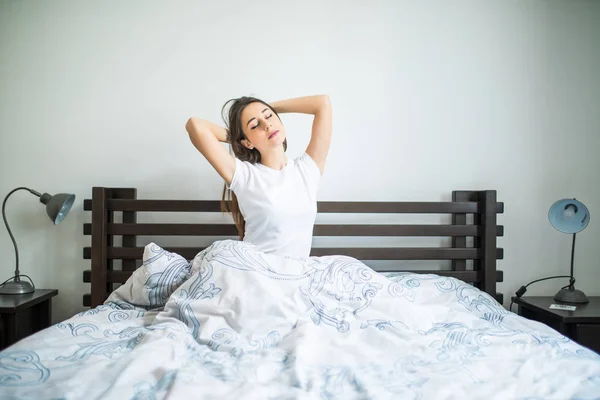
<point x="150" y="286"/>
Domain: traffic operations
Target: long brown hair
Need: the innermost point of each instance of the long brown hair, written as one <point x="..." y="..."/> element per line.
<point x="235" y="135"/>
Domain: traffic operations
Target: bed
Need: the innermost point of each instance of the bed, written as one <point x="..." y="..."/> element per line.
<point x="224" y="321"/>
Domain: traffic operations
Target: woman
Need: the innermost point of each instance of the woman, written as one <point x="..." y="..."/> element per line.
<point x="273" y="203"/>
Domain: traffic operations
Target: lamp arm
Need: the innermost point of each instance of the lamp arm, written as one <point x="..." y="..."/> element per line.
<point x="8" y="228"/>
<point x="572" y="281"/>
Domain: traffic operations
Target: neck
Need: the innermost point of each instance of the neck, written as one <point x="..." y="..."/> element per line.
<point x="274" y="159"/>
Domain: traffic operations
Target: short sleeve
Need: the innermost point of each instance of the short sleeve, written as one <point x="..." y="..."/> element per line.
<point x="240" y="176"/>
<point x="310" y="173"/>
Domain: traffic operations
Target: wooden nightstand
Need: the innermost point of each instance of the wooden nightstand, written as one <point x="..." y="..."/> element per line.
<point x="581" y="325"/>
<point x="22" y="315"/>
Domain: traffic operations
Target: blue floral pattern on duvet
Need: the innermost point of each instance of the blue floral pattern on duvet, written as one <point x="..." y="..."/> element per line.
<point x="237" y="323"/>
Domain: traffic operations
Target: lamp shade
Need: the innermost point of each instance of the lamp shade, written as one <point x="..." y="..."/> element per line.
<point x="57" y="206"/>
<point x="569" y="216"/>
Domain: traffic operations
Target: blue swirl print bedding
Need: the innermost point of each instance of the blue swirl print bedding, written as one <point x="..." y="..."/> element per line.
<point x="235" y="323"/>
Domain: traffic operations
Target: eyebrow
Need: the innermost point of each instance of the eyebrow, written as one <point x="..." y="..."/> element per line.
<point x="250" y="120"/>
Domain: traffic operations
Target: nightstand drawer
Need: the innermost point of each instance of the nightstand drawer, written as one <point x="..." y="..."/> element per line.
<point x="588" y="335"/>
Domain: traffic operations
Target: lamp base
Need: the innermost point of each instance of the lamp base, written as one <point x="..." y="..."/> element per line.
<point x="17" y="287"/>
<point x="571" y="296"/>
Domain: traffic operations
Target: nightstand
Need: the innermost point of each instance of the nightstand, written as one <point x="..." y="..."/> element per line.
<point x="581" y="325"/>
<point x="22" y="315"/>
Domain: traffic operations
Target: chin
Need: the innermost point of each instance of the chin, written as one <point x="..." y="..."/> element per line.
<point x="278" y="141"/>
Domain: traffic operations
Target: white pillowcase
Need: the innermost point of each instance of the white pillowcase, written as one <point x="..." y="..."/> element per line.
<point x="150" y="286"/>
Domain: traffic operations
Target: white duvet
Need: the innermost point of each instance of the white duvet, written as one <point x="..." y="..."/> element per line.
<point x="236" y="323"/>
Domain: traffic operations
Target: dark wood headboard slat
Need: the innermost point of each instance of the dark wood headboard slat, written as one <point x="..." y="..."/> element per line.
<point x="164" y="229"/>
<point x="361" y="253"/>
<point x="99" y="245"/>
<point x="467" y="276"/>
<point x="358" y="207"/>
<point x="405" y="253"/>
<point x="488" y="239"/>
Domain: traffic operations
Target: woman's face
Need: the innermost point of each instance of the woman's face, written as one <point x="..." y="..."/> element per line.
<point x="262" y="127"/>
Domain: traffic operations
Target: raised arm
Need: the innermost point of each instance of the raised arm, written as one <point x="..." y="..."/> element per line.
<point x="320" y="107"/>
<point x="206" y="136"/>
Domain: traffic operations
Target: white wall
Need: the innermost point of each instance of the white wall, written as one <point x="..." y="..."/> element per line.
<point x="428" y="97"/>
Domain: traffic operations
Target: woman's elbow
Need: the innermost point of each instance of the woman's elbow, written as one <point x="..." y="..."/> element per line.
<point x="192" y="126"/>
<point x="325" y="103"/>
<point x="189" y="125"/>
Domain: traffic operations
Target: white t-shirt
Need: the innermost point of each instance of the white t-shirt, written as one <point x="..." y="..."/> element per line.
<point x="280" y="207"/>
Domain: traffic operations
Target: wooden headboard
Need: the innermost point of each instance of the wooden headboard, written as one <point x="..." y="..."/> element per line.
<point x="483" y="252"/>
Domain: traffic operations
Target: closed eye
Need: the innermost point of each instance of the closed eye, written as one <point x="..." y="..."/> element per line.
<point x="256" y="126"/>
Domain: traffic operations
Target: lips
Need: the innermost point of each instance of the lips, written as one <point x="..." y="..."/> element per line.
<point x="273" y="134"/>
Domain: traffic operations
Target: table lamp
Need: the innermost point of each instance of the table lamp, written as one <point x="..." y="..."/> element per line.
<point x="570" y="216"/>
<point x="57" y="207"/>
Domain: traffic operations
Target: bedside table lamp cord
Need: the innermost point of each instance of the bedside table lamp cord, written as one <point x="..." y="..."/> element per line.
<point x="523" y="289"/>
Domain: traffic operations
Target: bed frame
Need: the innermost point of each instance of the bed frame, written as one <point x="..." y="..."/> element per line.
<point x="483" y="252"/>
